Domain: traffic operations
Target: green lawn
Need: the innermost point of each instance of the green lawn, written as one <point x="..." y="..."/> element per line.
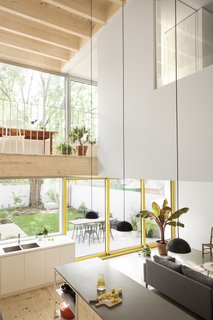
<point x="32" y="224"/>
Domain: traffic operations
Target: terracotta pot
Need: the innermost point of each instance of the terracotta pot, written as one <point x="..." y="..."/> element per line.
<point x="81" y="150"/>
<point x="162" y="250"/>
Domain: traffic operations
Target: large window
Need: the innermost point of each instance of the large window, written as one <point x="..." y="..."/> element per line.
<point x="156" y="191"/>
<point x="194" y="39"/>
<point x="82" y="197"/>
<point x="27" y="206"/>
<point x="84" y="106"/>
<point x="34" y="103"/>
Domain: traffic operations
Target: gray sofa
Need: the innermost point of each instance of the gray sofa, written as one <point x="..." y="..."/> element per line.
<point x="185" y="290"/>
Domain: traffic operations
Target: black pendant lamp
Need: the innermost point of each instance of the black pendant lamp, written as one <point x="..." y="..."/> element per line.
<point x="177" y="245"/>
<point x="123" y="226"/>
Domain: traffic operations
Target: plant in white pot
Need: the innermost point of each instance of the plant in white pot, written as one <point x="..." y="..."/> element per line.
<point x="163" y="217"/>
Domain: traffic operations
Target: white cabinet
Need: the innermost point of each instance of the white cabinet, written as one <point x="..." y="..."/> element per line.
<point x="12" y="274"/>
<point x="53" y="258"/>
<point x="67" y="254"/>
<point x="34" y="269"/>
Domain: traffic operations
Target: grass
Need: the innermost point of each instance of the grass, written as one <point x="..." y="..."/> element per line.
<point x="33" y="224"/>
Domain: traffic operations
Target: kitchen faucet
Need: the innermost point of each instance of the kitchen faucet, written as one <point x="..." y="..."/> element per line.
<point x="19" y="238"/>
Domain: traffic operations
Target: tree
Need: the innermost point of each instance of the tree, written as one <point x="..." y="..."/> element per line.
<point x="31" y="96"/>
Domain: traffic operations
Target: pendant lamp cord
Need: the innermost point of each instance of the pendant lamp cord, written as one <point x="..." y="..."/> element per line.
<point x="91" y="95"/>
<point x="176" y="112"/>
<point x="123" y="106"/>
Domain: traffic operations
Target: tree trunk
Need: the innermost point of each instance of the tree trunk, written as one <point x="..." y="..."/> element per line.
<point x="35" y="190"/>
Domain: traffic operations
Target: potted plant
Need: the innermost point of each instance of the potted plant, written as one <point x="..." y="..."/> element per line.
<point x="65" y="148"/>
<point x="163" y="218"/>
<point x="146" y="251"/>
<point x="82" y="136"/>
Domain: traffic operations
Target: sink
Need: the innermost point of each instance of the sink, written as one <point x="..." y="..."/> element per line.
<point x="30" y="245"/>
<point x="12" y="249"/>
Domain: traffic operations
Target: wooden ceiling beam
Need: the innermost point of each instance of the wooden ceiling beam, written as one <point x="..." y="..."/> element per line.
<point x="34" y="46"/>
<point x="81" y="8"/>
<point x="48" y="15"/>
<point x="29" y="59"/>
<point x="34" y="30"/>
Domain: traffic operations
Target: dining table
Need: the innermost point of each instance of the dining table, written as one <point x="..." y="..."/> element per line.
<point x="80" y="224"/>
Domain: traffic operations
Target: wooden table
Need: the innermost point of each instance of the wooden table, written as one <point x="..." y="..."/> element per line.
<point x="138" y="303"/>
<point x="30" y="134"/>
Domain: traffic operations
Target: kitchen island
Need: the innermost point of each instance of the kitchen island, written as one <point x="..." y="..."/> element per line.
<point x="137" y="302"/>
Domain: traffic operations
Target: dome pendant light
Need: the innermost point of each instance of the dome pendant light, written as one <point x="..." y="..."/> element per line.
<point x="177" y="245"/>
<point x="123" y="226"/>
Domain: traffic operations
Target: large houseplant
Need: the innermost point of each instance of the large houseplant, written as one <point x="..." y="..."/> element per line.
<point x="163" y="217"/>
<point x="82" y="136"/>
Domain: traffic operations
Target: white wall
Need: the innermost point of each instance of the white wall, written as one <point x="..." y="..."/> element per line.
<point x="199" y="219"/>
<point x="150" y="118"/>
<point x="150" y="114"/>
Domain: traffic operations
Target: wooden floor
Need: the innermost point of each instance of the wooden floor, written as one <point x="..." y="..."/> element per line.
<point x="32" y="305"/>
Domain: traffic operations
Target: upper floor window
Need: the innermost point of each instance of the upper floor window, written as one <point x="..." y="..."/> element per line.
<point x="84" y="106"/>
<point x="194" y="38"/>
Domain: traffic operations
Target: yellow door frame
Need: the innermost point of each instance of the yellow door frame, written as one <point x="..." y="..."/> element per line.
<point x="108" y="253"/>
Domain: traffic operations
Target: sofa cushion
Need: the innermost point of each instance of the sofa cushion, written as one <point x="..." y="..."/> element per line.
<point x="195" y="275"/>
<point x="168" y="264"/>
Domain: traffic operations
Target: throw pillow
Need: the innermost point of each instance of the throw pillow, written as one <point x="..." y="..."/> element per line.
<point x="202" y="278"/>
<point x="168" y="264"/>
<point x="169" y="258"/>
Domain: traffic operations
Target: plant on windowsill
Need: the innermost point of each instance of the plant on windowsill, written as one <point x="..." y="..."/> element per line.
<point x="163" y="218"/>
<point x="65" y="148"/>
<point x="82" y="136"/>
<point x="146" y="251"/>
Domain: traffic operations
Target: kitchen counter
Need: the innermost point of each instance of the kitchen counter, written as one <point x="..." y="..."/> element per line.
<point x="34" y="267"/>
<point x="44" y="243"/>
<point x="138" y="303"/>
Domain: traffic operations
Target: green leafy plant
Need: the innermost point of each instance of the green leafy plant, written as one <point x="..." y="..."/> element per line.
<point x="151" y="227"/>
<point x="17" y="200"/>
<point x="81" y="135"/>
<point x="53" y="195"/>
<point x="134" y="222"/>
<point x="146" y="251"/>
<point x="82" y="207"/>
<point x="65" y="148"/>
<point x="162" y="217"/>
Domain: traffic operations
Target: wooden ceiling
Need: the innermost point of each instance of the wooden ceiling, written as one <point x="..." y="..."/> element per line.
<point x="46" y="34"/>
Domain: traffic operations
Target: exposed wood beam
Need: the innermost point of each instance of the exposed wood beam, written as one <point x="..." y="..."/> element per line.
<point x="48" y="15"/>
<point x="81" y="8"/>
<point x="28" y="58"/>
<point x="35" y="30"/>
<point x="34" y="46"/>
